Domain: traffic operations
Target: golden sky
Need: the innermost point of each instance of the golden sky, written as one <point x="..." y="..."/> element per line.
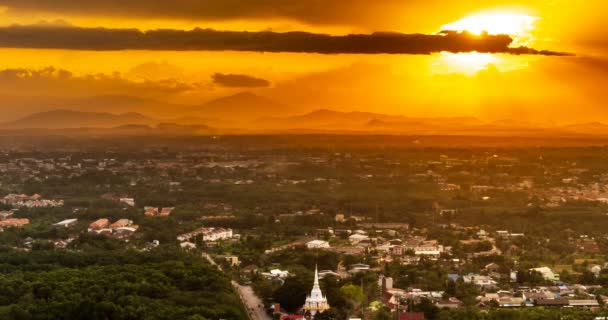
<point x="53" y="51"/>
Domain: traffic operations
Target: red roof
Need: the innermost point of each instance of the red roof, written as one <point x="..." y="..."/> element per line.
<point x="412" y="316"/>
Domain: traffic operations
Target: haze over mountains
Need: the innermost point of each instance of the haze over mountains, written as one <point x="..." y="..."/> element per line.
<point x="250" y="113"/>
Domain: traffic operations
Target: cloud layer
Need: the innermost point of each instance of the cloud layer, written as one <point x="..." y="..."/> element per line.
<point x="309" y="11"/>
<point x="238" y="81"/>
<point x="74" y="38"/>
<point x="55" y="81"/>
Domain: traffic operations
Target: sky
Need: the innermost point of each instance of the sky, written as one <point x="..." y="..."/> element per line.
<point x="532" y="61"/>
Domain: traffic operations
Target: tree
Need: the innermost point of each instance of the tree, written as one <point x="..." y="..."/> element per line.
<point x="353" y="294"/>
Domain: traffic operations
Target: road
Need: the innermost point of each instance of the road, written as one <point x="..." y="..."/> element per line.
<point x="251" y="302"/>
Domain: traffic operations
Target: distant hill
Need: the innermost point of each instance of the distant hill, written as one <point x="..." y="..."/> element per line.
<point x="324" y="118"/>
<point x="122" y="104"/>
<point x="366" y="121"/>
<point x="241" y="107"/>
<point x="65" y="119"/>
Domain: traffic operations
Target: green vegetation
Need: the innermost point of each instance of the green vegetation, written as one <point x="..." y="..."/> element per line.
<point x="113" y="285"/>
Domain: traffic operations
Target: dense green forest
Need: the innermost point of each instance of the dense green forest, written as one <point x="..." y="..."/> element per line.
<point x="115" y="284"/>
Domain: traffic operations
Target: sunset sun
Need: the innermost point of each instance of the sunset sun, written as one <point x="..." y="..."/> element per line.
<point x="519" y="26"/>
<point x="495" y="23"/>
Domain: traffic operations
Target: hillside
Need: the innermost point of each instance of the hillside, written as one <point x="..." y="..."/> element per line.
<point x="65" y="119"/>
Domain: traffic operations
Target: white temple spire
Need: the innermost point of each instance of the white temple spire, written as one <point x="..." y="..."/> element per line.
<point x="316" y="302"/>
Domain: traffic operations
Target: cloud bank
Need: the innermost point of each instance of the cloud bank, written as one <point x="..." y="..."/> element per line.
<point x="74" y="38"/>
<point x="56" y="81"/>
<point x="238" y="81"/>
<point x="309" y="11"/>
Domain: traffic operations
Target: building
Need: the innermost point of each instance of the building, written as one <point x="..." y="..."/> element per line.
<point x="125" y="232"/>
<point x="317" y="244"/>
<point x="66" y="223"/>
<point x="34" y="201"/>
<point x="6" y="214"/>
<point x="357" y="238"/>
<point x="484" y="282"/>
<point x="208" y="234"/>
<point x="121" y="223"/>
<point x="150" y="211"/>
<point x="547" y="273"/>
<point x="128" y="201"/>
<point x="165" y="212"/>
<point x="276" y="274"/>
<point x="232" y="260"/>
<point x="158" y="212"/>
<point x="187" y="245"/>
<point x="12" y="222"/>
<point x="315" y="302"/>
<point x="99" y="224"/>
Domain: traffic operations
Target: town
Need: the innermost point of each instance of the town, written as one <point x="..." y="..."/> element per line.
<point x="340" y="231"/>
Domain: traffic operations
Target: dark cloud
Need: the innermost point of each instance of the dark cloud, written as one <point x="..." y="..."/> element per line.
<point x="60" y="82"/>
<point x="309" y="11"/>
<point x="213" y="40"/>
<point x="238" y="81"/>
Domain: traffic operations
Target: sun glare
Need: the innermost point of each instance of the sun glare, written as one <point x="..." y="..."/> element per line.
<point x="466" y="63"/>
<point x="519" y="26"/>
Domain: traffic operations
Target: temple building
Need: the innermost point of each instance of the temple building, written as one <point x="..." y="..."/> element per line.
<point x="315" y="302"/>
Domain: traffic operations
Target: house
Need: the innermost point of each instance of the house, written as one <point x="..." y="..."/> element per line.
<point x="510" y="302"/>
<point x="358" y="267"/>
<point x="325" y="273"/>
<point x="317" y="244"/>
<point x="66" y="223"/>
<point x="397" y="250"/>
<point x="150" y="211"/>
<point x="232" y="260"/>
<point x="12" y="222"/>
<point x="165" y="212"/>
<point x="156" y="212"/>
<point x="208" y="234"/>
<point x="556" y="303"/>
<point x="187" y="245"/>
<point x="125" y="232"/>
<point x="357" y="238"/>
<point x="128" y="201"/>
<point x="99" y="224"/>
<point x="484" y="282"/>
<point x="429" y="249"/>
<point x="121" y="223"/>
<point x="547" y="273"/>
<point x="584" y="303"/>
<point x="276" y="274"/>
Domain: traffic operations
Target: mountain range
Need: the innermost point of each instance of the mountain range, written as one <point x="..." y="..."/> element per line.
<point x="250" y="113"/>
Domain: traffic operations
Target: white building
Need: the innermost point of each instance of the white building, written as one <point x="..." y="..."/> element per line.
<point x="480" y="281"/>
<point x="315" y="302"/>
<point x="356" y="238"/>
<point x="317" y="244"/>
<point x="66" y="223"/>
<point x="128" y="201"/>
<point x="547" y="273"/>
<point x="208" y="234"/>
